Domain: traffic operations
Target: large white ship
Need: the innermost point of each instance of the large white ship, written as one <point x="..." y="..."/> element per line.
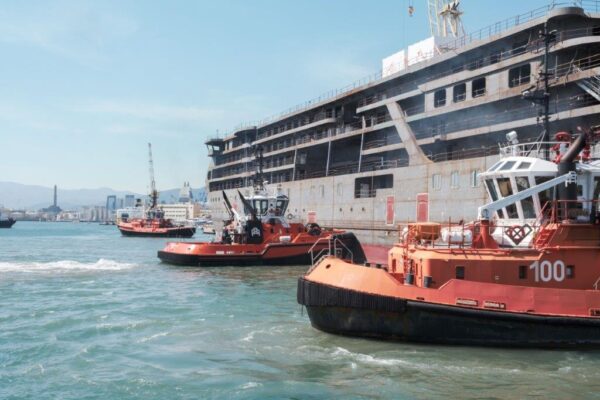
<point x="410" y="142"/>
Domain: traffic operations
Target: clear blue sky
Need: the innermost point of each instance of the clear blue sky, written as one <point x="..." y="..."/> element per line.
<point x="85" y="85"/>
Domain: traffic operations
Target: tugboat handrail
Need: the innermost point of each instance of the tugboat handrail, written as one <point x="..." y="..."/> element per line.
<point x="333" y="243"/>
<point x="530" y="149"/>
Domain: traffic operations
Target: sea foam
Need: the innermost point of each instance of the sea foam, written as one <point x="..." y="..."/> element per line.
<point x="64" y="266"/>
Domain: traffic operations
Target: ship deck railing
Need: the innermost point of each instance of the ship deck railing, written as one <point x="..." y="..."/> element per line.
<point x="481" y="34"/>
<point x="450" y="125"/>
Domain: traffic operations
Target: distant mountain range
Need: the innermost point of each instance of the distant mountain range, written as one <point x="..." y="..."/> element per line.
<point x="32" y="197"/>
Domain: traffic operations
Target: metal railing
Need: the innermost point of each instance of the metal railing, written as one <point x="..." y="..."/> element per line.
<point x="532" y="149"/>
<point x="334" y="247"/>
<point x="483" y="33"/>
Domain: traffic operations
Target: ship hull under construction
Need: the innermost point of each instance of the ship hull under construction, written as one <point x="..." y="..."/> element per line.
<point x="410" y="143"/>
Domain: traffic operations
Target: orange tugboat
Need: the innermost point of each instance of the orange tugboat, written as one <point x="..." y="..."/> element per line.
<point x="154" y="224"/>
<point x="262" y="235"/>
<point x="526" y="273"/>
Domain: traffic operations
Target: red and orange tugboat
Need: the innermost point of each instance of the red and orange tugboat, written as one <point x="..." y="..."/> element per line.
<point x="154" y="224"/>
<point x="262" y="236"/>
<point x="507" y="279"/>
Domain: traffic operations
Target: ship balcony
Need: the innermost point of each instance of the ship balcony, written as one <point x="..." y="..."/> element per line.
<point x="236" y="175"/>
<point x="323" y="121"/>
<point x="237" y="148"/>
<point x="382" y="148"/>
<point x="281" y="167"/>
<point x="454" y="128"/>
<point x="333" y="134"/>
<point x="233" y="162"/>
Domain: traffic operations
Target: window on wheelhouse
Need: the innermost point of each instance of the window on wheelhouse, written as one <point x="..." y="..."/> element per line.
<point x="547" y="194"/>
<point x="491" y="189"/>
<point x="506" y="190"/>
<point x="260" y="206"/>
<point x="281" y="205"/>
<point x="527" y="203"/>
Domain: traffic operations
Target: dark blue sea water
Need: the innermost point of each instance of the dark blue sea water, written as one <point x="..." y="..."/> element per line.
<point x="88" y="314"/>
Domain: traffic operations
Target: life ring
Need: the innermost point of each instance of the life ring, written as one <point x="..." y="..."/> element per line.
<point x="313" y="229"/>
<point x="289" y="216"/>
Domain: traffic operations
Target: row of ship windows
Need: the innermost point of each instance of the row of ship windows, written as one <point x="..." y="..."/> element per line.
<point x="516" y="76"/>
<point x="436" y="180"/>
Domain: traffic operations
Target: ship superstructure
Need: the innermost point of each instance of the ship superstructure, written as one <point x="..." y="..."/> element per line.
<point x="409" y="143"/>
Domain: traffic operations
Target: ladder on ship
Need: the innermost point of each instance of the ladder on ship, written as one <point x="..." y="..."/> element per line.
<point x="590" y="85"/>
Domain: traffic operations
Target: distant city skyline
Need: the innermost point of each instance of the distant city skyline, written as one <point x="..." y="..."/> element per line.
<point x="88" y="84"/>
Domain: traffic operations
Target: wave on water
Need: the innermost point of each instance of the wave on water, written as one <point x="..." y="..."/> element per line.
<point x="64" y="266"/>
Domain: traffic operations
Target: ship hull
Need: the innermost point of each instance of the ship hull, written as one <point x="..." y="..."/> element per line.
<point x="186" y="232"/>
<point x="8" y="223"/>
<point x="352" y="313"/>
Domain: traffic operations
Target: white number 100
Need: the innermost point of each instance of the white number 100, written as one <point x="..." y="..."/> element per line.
<point x="546" y="271"/>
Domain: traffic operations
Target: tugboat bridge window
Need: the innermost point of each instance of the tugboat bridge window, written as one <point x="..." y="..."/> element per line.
<point x="519" y="75"/>
<point x="478" y="87"/>
<point x="506" y="190"/>
<point x="547" y="194"/>
<point x="459" y="92"/>
<point x="508" y="165"/>
<point x="439" y="98"/>
<point x="460" y="272"/>
<point x="491" y="189"/>
<point x="527" y="203"/>
<point x="261" y="206"/>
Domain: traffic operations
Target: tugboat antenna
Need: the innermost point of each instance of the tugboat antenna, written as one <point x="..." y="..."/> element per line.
<point x="548" y="38"/>
<point x="541" y="96"/>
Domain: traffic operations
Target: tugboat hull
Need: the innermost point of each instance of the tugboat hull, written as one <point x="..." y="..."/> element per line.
<point x="353" y="313"/>
<point x="7" y="223"/>
<point x="185" y="232"/>
<point x="289" y="254"/>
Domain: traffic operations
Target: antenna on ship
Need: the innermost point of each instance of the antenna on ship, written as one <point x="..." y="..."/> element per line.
<point x="445" y="18"/>
<point x="153" y="191"/>
<point x="258" y="178"/>
<point x="542" y="96"/>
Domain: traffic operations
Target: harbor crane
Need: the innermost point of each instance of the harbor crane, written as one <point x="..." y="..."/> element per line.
<point x="153" y="191"/>
<point x="444" y="17"/>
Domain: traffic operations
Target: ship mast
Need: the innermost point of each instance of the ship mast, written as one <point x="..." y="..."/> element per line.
<point x="258" y="177"/>
<point x="548" y="38"/>
<point x="541" y="96"/>
<point x="153" y="191"/>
